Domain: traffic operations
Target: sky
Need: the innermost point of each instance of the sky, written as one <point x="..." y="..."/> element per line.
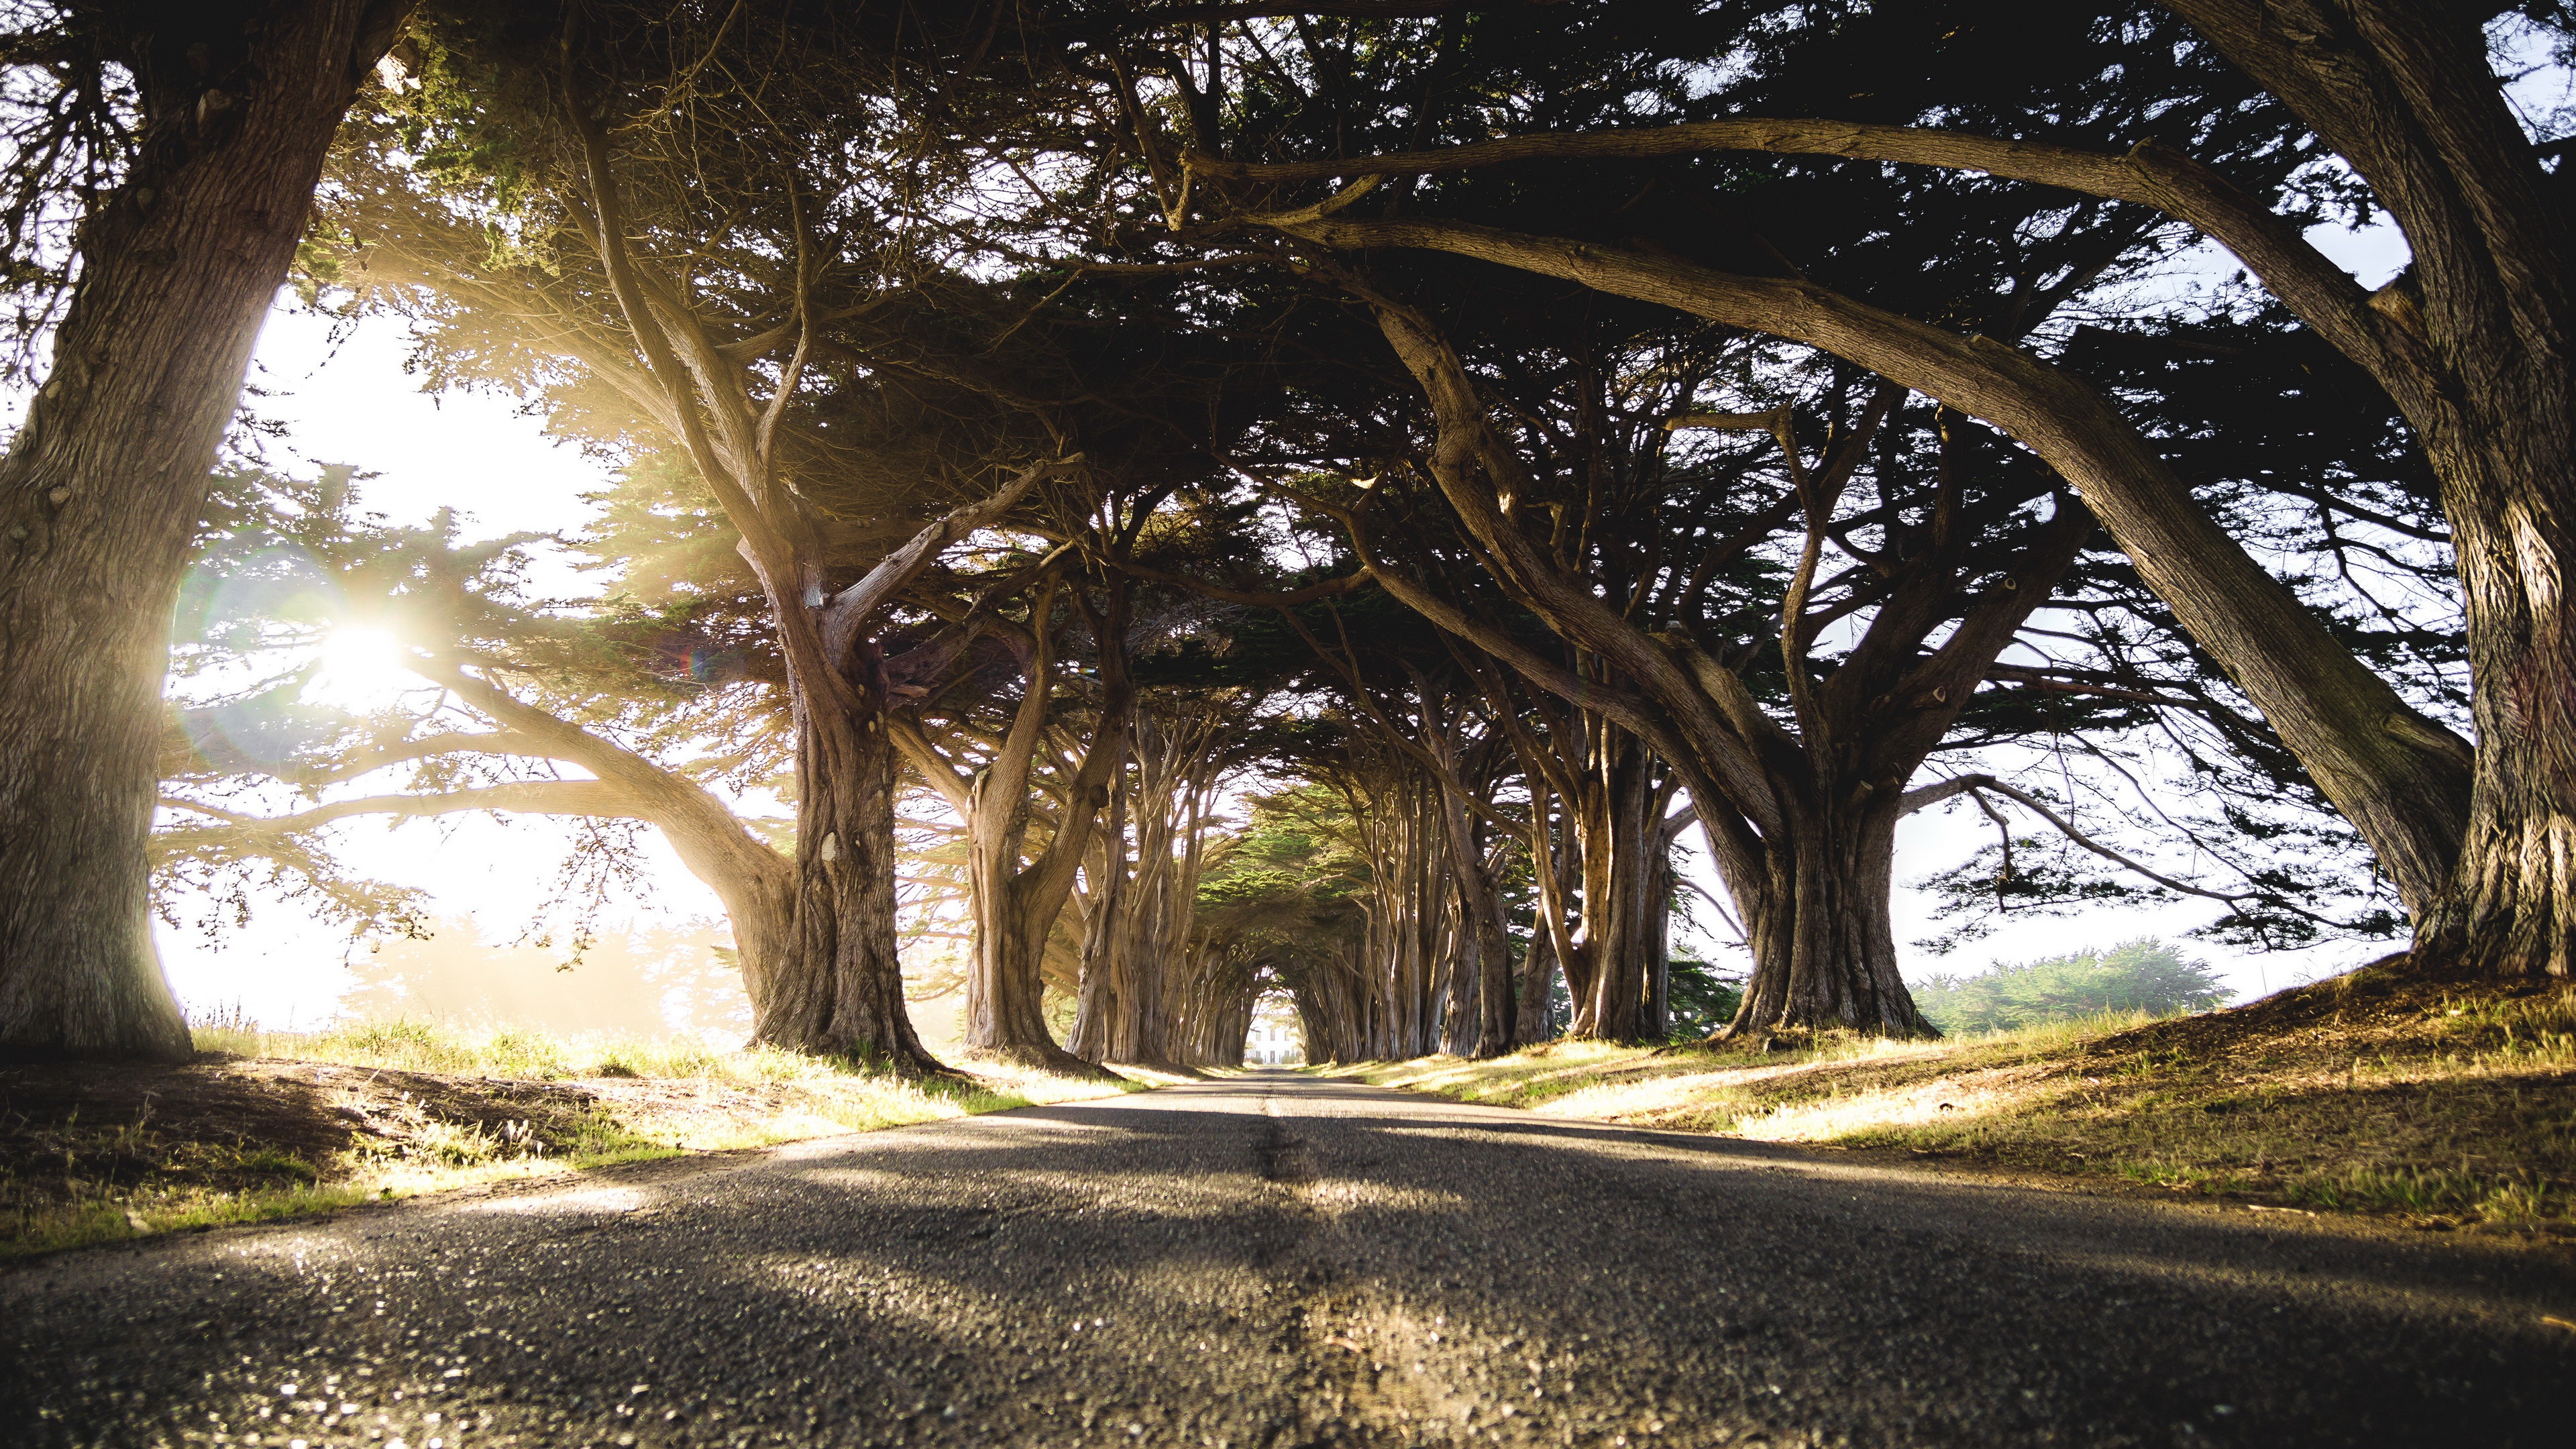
<point x="344" y="397"/>
<point x="351" y="402"/>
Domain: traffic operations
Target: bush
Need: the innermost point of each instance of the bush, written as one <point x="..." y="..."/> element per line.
<point x="1702" y="998"/>
<point x="2144" y="975"/>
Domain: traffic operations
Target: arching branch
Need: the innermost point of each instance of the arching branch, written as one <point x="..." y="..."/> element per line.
<point x="528" y="797"/>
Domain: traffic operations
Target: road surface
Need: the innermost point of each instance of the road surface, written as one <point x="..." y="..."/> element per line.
<point x="1278" y="1261"/>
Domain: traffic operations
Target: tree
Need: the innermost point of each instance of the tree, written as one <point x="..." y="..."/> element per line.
<point x="1996" y="261"/>
<point x="1020" y="890"/>
<point x="2470" y="343"/>
<point x="180" y="146"/>
<point x="588" y="148"/>
<point x="2143" y="975"/>
<point x="1141" y="908"/>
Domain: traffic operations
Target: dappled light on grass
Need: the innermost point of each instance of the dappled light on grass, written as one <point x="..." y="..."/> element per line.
<point x="383" y="1110"/>
<point x="2365" y="1093"/>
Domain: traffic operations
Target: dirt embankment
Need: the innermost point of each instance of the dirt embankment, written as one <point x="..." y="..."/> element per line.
<point x="93" y="1152"/>
<point x="2452" y="1104"/>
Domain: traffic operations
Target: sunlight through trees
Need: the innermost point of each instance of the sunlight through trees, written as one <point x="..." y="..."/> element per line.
<point x="1196" y="506"/>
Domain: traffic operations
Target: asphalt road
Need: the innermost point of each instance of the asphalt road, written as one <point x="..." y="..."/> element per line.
<point x="1276" y="1262"/>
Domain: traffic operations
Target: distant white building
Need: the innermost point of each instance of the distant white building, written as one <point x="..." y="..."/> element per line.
<point x="1275" y="1039"/>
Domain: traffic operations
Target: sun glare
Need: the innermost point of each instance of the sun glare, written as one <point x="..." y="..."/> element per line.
<point x="362" y="668"/>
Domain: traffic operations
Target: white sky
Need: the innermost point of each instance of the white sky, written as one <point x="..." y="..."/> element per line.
<point x="353" y="404"/>
<point x="475" y="453"/>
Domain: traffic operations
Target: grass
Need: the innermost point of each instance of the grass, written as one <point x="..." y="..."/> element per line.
<point x="272" y="1125"/>
<point x="2447" y="1105"/>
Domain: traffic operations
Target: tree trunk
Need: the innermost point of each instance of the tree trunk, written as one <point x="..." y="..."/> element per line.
<point x="1480" y="1003"/>
<point x="836" y="985"/>
<point x="1549" y="938"/>
<point x="1824" y="950"/>
<point x="101" y="492"/>
<point x="1005" y="993"/>
<point x="1016" y="907"/>
<point x="1658" y="1024"/>
<point x="2401" y="779"/>
<point x="1097" y="999"/>
<point x="1618" y="850"/>
<point x="1149" y="909"/>
<point x="2475" y="345"/>
<point x="1533" y="1014"/>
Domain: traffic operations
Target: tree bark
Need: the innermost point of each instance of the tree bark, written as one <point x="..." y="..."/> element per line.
<point x="1483" y="1016"/>
<point x="838" y="988"/>
<point x="2475" y="345"/>
<point x="1100" y="999"/>
<point x="1824" y="950"/>
<point x="100" y="494"/>
<point x="1016" y="905"/>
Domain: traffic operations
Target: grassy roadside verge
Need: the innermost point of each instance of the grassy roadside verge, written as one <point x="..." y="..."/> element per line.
<point x="2448" y="1105"/>
<point x="271" y="1125"/>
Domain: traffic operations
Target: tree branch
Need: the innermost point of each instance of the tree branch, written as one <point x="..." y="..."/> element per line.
<point x="852" y="607"/>
<point x="1980" y="784"/>
<point x="2150" y="174"/>
<point x="533" y="797"/>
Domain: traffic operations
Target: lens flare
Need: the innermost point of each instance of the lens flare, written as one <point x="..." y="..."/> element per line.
<point x="362" y="669"/>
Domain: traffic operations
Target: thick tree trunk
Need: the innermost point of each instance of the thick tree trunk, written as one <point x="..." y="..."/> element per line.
<point x="1480" y="1002"/>
<point x="1618" y="843"/>
<point x="1212" y="1008"/>
<point x="1098" y="1001"/>
<point x="1016" y="907"/>
<point x="1146" y="909"/>
<point x="2476" y="344"/>
<point x="2509" y="908"/>
<point x="1533" y="1020"/>
<point x="1498" y="1013"/>
<point x="1330" y="1007"/>
<point x="1005" y="993"/>
<point x="1824" y="949"/>
<point x="100" y="493"/>
<point x="1550" y="937"/>
<point x="836" y="984"/>
<point x="1658" y="1023"/>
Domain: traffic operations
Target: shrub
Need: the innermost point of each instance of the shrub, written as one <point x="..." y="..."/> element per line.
<point x="2143" y="975"/>
<point x="1702" y="998"/>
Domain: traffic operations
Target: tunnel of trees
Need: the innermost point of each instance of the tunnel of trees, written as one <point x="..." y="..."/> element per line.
<point x="1341" y="502"/>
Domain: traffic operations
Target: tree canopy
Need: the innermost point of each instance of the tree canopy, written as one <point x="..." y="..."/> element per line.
<point x="1352" y="501"/>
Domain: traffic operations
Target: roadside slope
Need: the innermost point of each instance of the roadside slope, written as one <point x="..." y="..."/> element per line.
<point x="2452" y="1104"/>
<point x="281" y="1125"/>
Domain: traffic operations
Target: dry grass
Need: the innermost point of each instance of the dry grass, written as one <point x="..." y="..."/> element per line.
<point x="2445" y="1103"/>
<point x="274" y="1125"/>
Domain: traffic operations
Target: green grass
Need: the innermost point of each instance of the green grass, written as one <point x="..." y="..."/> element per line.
<point x="632" y="1100"/>
<point x="2374" y="1093"/>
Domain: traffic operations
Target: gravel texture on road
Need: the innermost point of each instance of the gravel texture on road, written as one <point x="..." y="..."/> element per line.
<point x="1277" y="1261"/>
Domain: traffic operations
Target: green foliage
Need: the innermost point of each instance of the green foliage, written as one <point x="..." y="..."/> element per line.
<point x="1298" y="863"/>
<point x="2142" y="975"/>
<point x="1702" y="998"/>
